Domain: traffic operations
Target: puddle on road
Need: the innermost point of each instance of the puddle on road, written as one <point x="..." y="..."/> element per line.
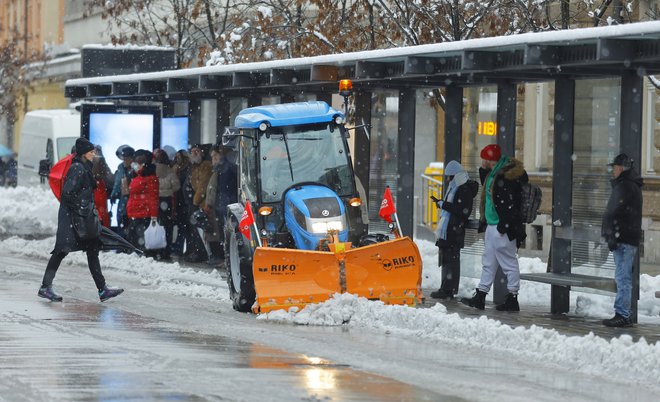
<point x="83" y="351"/>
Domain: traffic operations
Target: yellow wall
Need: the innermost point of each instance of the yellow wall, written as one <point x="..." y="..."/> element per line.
<point x="46" y="95"/>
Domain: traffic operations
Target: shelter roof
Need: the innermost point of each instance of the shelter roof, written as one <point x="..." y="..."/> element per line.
<point x="577" y="53"/>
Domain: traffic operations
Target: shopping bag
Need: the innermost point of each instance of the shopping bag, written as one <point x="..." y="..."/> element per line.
<point x="154" y="237"/>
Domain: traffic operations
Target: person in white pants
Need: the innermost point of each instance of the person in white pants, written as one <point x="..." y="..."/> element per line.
<point x="501" y="218"/>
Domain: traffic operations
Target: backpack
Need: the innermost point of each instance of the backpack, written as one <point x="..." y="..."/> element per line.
<point x="58" y="173"/>
<point x="531" y="201"/>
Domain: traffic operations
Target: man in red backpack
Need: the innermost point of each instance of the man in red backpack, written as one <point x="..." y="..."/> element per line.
<point x="77" y="204"/>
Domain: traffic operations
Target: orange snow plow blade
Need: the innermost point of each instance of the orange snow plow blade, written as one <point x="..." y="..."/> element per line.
<point x="285" y="278"/>
<point x="390" y="271"/>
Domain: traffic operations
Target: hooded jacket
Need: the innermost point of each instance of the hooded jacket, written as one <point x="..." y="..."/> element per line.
<point x="460" y="209"/>
<point x="622" y="219"/>
<point x="507" y="198"/>
<point x="143" y="194"/>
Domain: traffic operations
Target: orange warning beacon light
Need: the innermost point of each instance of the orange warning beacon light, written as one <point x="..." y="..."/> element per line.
<point x="345" y="87"/>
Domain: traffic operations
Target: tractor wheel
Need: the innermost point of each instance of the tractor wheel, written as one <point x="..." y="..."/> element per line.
<point x="238" y="255"/>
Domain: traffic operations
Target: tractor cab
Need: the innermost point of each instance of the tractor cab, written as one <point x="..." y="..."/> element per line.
<point x="283" y="151"/>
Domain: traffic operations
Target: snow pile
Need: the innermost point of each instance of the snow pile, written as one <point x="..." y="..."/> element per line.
<point x="28" y="211"/>
<point x="158" y="276"/>
<point x="588" y="354"/>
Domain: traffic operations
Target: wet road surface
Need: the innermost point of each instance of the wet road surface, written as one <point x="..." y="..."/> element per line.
<point x="83" y="350"/>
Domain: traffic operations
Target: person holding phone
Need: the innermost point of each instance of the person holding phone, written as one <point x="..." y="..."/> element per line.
<point x="455" y="209"/>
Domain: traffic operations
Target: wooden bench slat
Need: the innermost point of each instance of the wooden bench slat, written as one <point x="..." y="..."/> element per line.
<point x="585" y="281"/>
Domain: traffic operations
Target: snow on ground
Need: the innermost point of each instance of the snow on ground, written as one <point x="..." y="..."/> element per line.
<point x="28" y="211"/>
<point x="23" y="210"/>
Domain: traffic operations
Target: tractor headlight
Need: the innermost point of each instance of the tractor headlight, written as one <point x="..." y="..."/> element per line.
<point x="325" y="226"/>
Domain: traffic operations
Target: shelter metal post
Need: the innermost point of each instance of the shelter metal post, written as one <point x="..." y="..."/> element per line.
<point x="453" y="123"/>
<point x="222" y="117"/>
<point x="630" y="138"/>
<point x="562" y="189"/>
<point x="406" y="157"/>
<point x="194" y="121"/>
<point x="506" y="138"/>
<point x="362" y="143"/>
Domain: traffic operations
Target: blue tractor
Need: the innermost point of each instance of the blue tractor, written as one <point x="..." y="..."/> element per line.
<point x="296" y="175"/>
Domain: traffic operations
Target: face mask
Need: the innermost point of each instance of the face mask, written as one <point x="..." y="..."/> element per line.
<point x="135" y="166"/>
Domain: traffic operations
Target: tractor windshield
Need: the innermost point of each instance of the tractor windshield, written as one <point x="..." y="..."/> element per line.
<point x="309" y="153"/>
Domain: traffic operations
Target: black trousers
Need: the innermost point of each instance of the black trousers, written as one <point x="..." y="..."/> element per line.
<point x="92" y="261"/>
<point x="450" y="261"/>
<point x="166" y="220"/>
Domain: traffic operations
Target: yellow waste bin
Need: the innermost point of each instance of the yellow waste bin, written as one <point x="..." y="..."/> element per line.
<point x="432" y="187"/>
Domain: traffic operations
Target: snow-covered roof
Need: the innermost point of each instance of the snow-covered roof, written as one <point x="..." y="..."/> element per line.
<point x="524" y="56"/>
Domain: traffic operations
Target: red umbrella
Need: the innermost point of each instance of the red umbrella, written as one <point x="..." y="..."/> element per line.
<point x="58" y="173"/>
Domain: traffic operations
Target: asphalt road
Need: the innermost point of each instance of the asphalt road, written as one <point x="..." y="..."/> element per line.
<point x="150" y="345"/>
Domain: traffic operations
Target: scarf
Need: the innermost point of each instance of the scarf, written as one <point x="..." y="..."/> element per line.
<point x="492" y="218"/>
<point x="459" y="179"/>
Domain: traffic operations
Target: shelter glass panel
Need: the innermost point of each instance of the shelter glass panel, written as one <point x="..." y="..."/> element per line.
<point x="535" y="127"/>
<point x="595" y="143"/>
<point x="383" y="153"/>
<point x="479" y="129"/>
<point x="479" y="124"/>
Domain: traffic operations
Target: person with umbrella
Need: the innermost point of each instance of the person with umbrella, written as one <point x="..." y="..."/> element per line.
<point x="76" y="201"/>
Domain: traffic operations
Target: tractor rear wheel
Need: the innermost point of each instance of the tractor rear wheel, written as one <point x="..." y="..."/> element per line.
<point x="238" y="258"/>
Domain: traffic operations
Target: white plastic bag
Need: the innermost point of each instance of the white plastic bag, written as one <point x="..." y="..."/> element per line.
<point x="154" y="237"/>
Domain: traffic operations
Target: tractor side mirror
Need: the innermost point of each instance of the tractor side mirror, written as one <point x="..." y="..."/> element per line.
<point x="230" y="137"/>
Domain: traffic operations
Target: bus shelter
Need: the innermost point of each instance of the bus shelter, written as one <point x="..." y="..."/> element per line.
<point x="622" y="55"/>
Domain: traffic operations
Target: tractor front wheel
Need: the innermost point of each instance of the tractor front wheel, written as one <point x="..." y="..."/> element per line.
<point x="238" y="255"/>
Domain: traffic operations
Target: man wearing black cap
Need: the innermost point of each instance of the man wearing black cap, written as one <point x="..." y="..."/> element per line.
<point x="77" y="198"/>
<point x="622" y="229"/>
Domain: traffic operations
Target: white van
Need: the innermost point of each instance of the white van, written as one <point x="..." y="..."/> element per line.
<point x="46" y="135"/>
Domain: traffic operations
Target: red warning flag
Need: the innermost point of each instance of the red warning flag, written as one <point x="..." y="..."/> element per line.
<point x="387" y="207"/>
<point x="247" y="220"/>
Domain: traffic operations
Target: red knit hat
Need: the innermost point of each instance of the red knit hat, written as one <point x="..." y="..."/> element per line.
<point x="491" y="152"/>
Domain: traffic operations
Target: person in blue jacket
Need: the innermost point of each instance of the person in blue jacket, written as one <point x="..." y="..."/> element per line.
<point x="455" y="209"/>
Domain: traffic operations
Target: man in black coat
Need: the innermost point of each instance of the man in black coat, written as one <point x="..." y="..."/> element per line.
<point x="455" y="209"/>
<point x="501" y="217"/>
<point x="622" y="229"/>
<point x="77" y="195"/>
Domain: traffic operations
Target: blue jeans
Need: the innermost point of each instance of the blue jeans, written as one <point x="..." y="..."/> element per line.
<point x="624" y="255"/>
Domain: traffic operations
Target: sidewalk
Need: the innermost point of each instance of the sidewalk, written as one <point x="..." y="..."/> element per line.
<point x="566" y="324"/>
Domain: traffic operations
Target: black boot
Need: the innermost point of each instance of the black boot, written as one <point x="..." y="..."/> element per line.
<point x="477" y="301"/>
<point x="47" y="293"/>
<point x="442" y="294"/>
<point x="510" y="303"/>
<point x="618" y="321"/>
<point x="108" y="293"/>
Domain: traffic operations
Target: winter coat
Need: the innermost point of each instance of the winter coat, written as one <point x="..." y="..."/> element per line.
<point x="168" y="181"/>
<point x="116" y="194"/>
<point x="223" y="187"/>
<point x="143" y="194"/>
<point x="199" y="180"/>
<point x="77" y="192"/>
<point x="506" y="189"/>
<point x="460" y="209"/>
<point x="622" y="219"/>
